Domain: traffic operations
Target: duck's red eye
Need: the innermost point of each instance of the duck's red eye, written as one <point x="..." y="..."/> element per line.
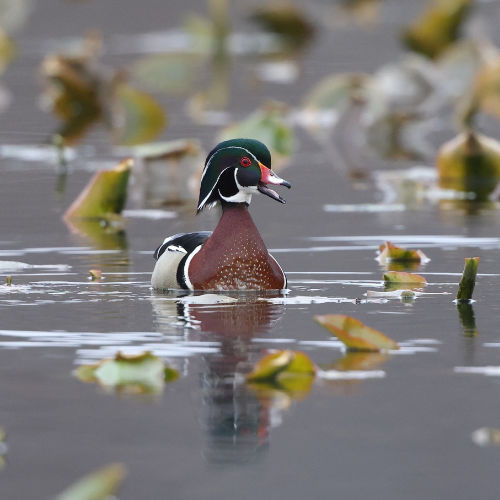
<point x="245" y="162"/>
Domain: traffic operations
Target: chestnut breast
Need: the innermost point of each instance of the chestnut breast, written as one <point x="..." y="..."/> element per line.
<point x="235" y="257"/>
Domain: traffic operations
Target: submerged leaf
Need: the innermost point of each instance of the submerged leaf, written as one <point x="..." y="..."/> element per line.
<point x="140" y="115"/>
<point x="269" y="366"/>
<point x="143" y="373"/>
<point x="467" y="318"/>
<point x="470" y="162"/>
<point x="105" y="194"/>
<point x="289" y="371"/>
<point x="437" y="27"/>
<point x="392" y="253"/>
<point x="468" y="281"/>
<point x="360" y="361"/>
<point x="405" y="278"/>
<point x="354" y="334"/>
<point x="98" y="485"/>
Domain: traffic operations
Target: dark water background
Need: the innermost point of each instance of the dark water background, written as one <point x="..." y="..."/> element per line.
<point x="404" y="436"/>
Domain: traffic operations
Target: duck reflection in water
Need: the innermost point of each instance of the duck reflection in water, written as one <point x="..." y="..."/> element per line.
<point x="236" y="419"/>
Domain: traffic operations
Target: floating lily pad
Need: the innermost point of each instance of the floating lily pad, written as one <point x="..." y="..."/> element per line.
<point x="392" y="253"/>
<point x="399" y="277"/>
<point x="95" y="274"/>
<point x="437" y="27"/>
<point x="460" y="63"/>
<point x="486" y="92"/>
<point x="470" y="163"/>
<point x="289" y="23"/>
<point x="74" y="89"/>
<point x="333" y="95"/>
<point x="354" y="334"/>
<point x="6" y="51"/>
<point x="468" y="281"/>
<point x="3" y="447"/>
<point x="170" y="73"/>
<point x="143" y="373"/>
<point x="290" y="371"/>
<point x="268" y="125"/>
<point x="104" y="196"/>
<point x="140" y="115"/>
<point x="98" y="485"/>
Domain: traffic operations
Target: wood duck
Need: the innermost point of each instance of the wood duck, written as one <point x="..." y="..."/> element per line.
<point x="233" y="256"/>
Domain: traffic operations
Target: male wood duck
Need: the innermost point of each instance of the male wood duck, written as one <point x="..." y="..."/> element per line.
<point x="233" y="256"/>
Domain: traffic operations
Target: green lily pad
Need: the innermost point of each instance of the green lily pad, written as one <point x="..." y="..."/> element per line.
<point x="141" y="116"/>
<point x="98" y="485"/>
<point x="104" y="196"/>
<point x="268" y="125"/>
<point x="354" y="334"/>
<point x="143" y="373"/>
<point x="470" y="162"/>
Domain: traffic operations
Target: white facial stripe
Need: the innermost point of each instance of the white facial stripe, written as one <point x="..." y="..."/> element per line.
<point x="222" y="149"/>
<point x="211" y="191"/>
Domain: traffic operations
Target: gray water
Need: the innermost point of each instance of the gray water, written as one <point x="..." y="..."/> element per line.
<point x="405" y="434"/>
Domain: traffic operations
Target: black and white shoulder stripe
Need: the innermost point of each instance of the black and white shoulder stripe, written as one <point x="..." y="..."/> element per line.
<point x="182" y="242"/>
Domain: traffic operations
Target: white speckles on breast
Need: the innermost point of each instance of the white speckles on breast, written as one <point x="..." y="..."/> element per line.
<point x="235" y="258"/>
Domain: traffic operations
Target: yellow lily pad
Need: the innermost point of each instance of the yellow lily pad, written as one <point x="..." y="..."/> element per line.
<point x="392" y="253"/>
<point x="140" y="115"/>
<point x="355" y="335"/>
<point x="98" y="485"/>
<point x="143" y="373"/>
<point x="437" y="27"/>
<point x="360" y="361"/>
<point x="104" y="196"/>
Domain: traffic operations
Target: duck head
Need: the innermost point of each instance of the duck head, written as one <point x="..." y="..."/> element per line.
<point x="236" y="169"/>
